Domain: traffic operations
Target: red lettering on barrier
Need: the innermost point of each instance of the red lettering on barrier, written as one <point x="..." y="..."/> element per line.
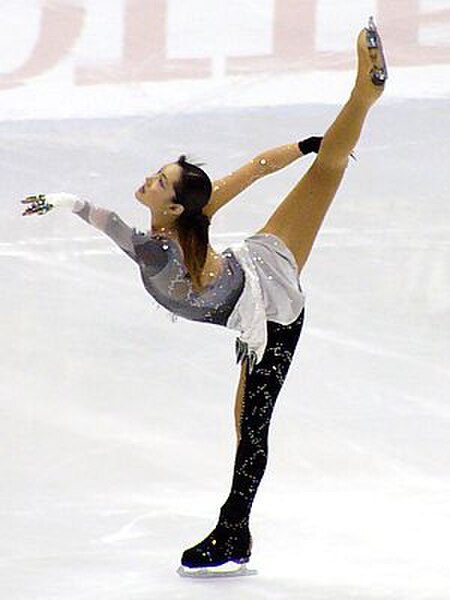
<point x="293" y="41"/>
<point x="60" y="27"/>
<point x="401" y="22"/>
<point x="144" y="53"/>
<point x="294" y="35"/>
<point x="145" y="50"/>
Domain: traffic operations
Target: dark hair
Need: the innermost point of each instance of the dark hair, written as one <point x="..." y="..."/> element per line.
<point x="193" y="191"/>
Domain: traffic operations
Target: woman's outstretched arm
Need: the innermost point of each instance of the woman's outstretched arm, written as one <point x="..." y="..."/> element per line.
<point x="137" y="245"/>
<point x="265" y="163"/>
<point x="106" y="220"/>
<point x="109" y="223"/>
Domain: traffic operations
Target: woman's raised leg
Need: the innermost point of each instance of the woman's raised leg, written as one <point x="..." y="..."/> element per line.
<point x="298" y="218"/>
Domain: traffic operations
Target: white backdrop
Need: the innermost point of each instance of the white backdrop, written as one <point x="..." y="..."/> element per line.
<point x="117" y="424"/>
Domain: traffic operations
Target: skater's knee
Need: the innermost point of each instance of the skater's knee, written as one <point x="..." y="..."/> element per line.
<point x="330" y="163"/>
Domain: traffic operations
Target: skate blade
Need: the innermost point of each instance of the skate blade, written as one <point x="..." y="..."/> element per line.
<point x="229" y="569"/>
<point x="373" y="41"/>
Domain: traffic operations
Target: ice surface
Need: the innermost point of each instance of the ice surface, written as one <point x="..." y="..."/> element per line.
<point x="116" y="424"/>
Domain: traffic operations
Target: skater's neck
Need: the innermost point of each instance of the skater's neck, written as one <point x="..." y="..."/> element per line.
<point x="166" y="232"/>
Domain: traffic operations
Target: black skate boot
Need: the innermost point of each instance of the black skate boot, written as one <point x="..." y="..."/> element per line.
<point x="373" y="41"/>
<point x="224" y="552"/>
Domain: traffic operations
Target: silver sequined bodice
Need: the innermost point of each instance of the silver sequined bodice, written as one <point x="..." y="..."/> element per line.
<point x="164" y="274"/>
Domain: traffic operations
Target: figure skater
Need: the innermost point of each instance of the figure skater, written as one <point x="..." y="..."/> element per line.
<point x="252" y="287"/>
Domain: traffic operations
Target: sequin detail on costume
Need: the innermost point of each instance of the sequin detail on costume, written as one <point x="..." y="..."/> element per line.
<point x="173" y="289"/>
<point x="164" y="273"/>
<point x="261" y="390"/>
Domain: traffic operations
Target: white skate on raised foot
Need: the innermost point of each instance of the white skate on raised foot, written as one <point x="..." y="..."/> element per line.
<point x="373" y="41"/>
<point x="229" y="569"/>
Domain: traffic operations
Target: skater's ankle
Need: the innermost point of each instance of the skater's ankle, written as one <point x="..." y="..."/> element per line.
<point x="360" y="97"/>
<point x="233" y="527"/>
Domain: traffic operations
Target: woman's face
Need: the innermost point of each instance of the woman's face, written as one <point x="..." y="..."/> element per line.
<point x="158" y="193"/>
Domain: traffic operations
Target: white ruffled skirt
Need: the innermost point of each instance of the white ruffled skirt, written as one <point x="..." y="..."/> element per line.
<point x="271" y="292"/>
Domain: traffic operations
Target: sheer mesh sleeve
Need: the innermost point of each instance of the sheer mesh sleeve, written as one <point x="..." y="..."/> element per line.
<point x="149" y="253"/>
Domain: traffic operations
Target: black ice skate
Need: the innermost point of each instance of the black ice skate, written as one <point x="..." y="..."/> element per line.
<point x="224" y="553"/>
<point x="379" y="74"/>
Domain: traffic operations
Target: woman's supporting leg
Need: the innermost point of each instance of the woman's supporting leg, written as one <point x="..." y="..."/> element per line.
<point x="231" y="538"/>
<point x="298" y="218"/>
<point x="239" y="402"/>
<point x="261" y="391"/>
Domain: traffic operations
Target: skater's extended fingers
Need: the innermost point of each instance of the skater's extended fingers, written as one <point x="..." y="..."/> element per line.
<point x="37" y="205"/>
<point x="35" y="198"/>
<point x="30" y="211"/>
<point x="29" y="200"/>
<point x="33" y="211"/>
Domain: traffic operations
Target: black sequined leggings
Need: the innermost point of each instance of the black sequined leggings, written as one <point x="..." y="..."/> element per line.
<point x="261" y="390"/>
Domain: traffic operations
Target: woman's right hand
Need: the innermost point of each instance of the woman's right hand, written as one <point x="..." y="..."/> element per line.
<point x="41" y="204"/>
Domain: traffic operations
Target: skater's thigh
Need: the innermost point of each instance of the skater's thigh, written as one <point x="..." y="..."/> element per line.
<point x="297" y="220"/>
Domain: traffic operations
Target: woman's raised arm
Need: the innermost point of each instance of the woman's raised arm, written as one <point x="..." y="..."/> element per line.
<point x="267" y="162"/>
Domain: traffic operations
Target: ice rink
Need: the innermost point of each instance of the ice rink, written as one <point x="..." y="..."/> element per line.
<point x="116" y="427"/>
